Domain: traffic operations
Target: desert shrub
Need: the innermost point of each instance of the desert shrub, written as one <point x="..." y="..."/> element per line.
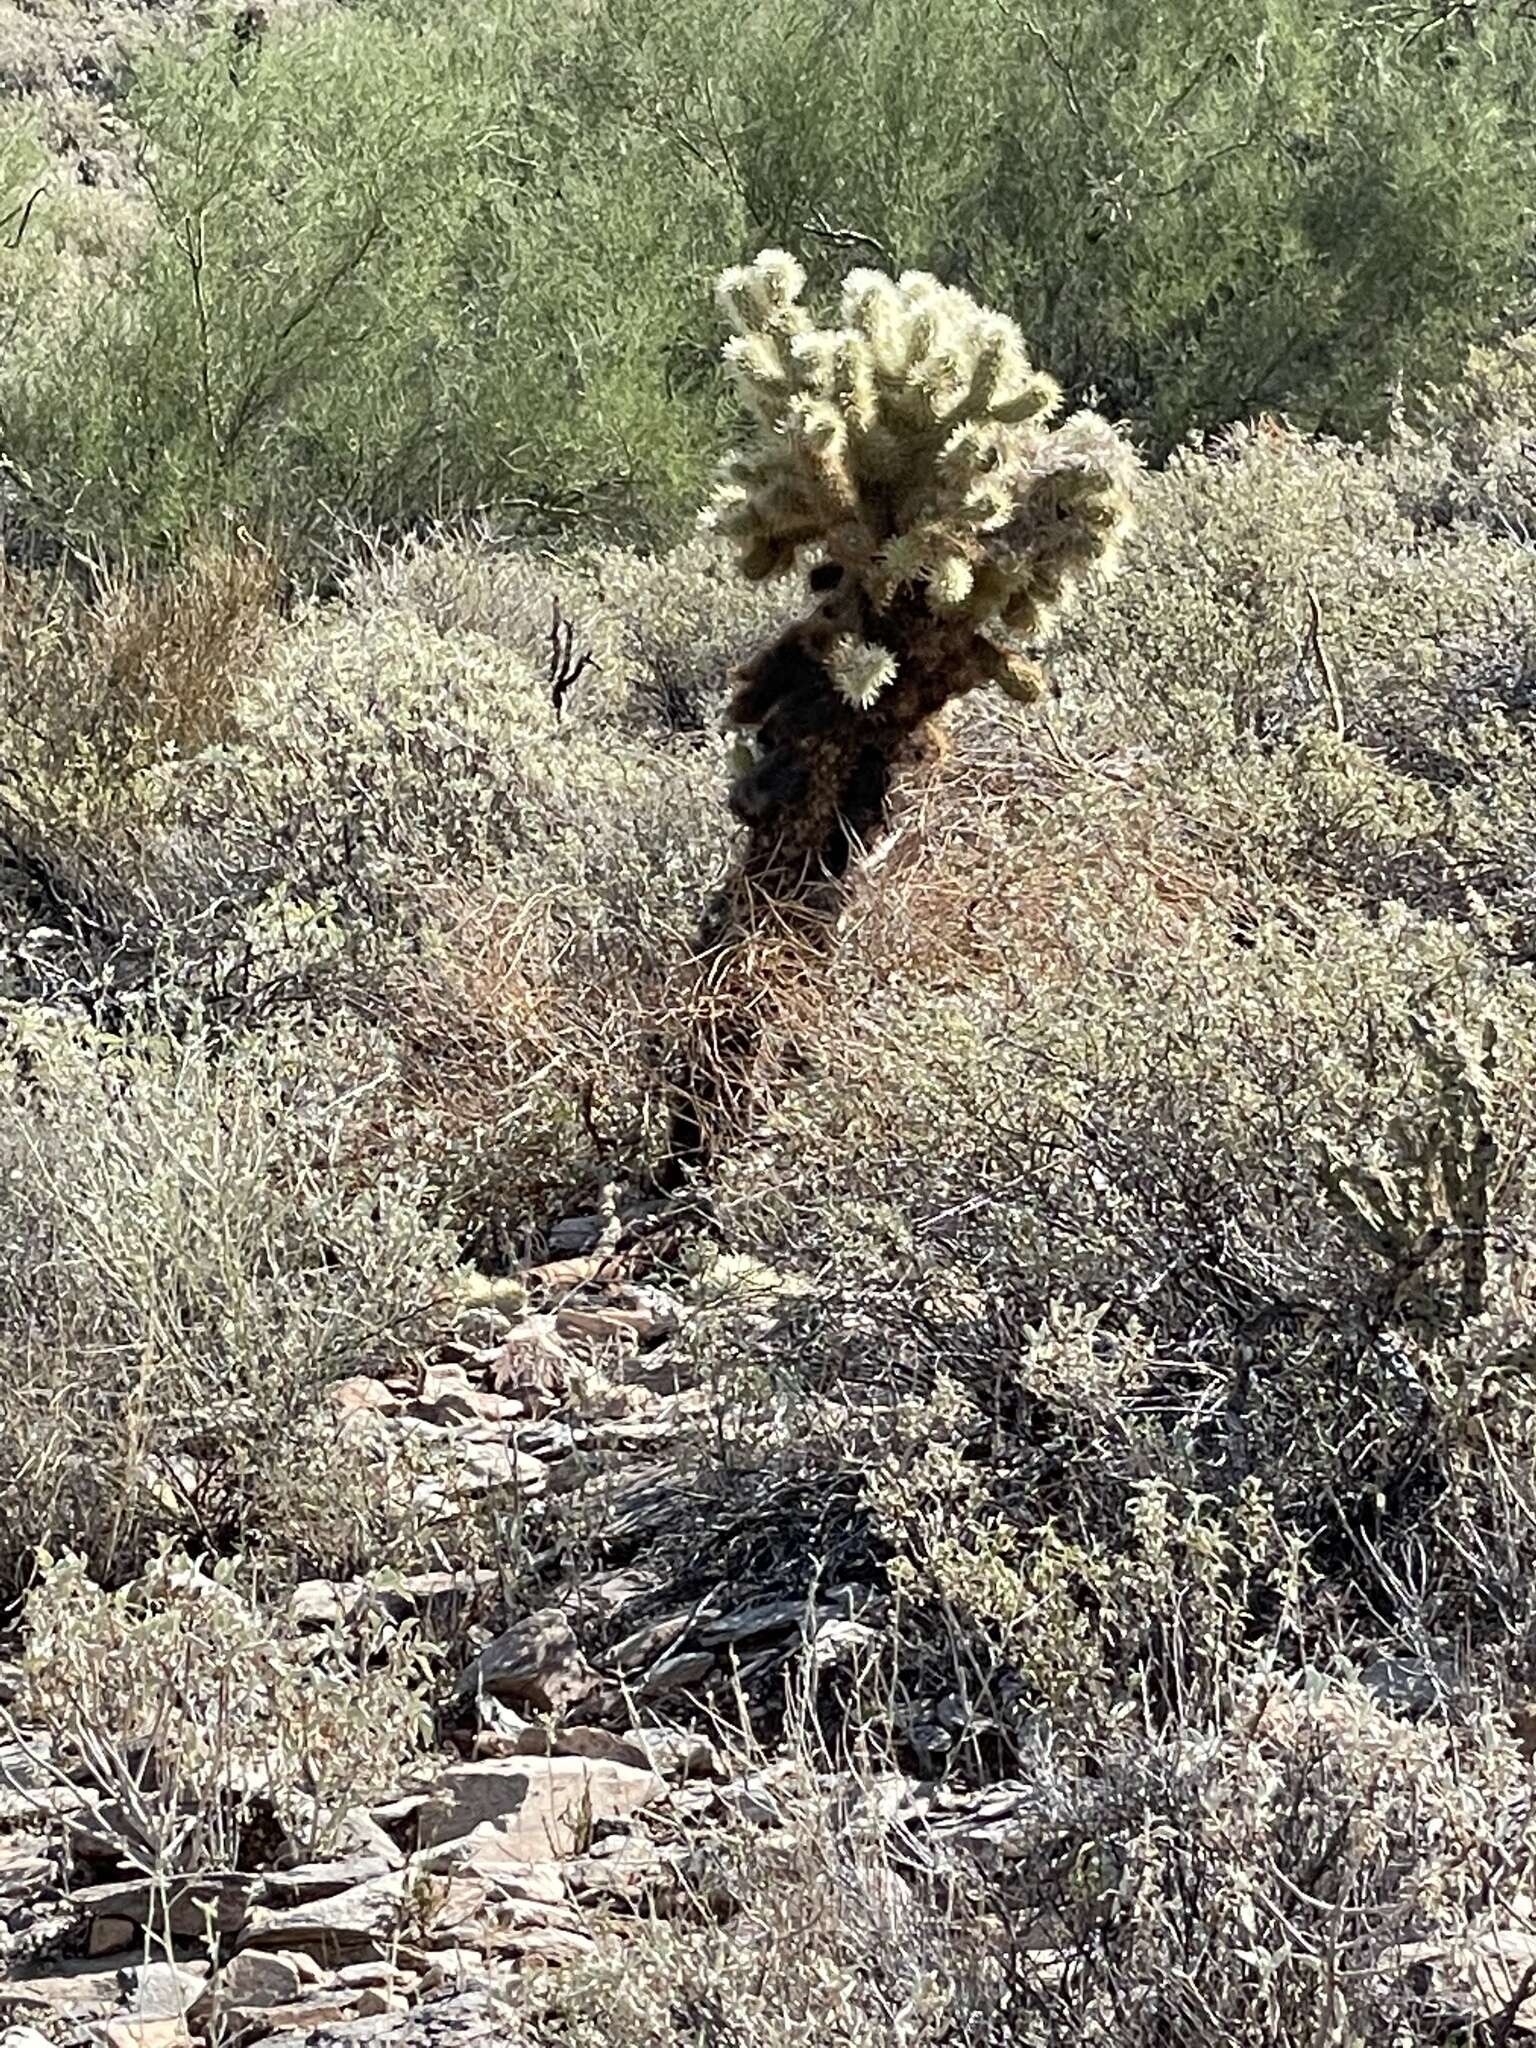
<point x="1289" y="207"/>
<point x="184" y="1273"/>
<point x="1466" y="455"/>
<point x="663" y="630"/>
<point x="108" y="681"/>
<point x="1272" y="1884"/>
<point x="1326" y="697"/>
<point x="1140" y="1134"/>
<point x="321" y="325"/>
<point x="281" y="305"/>
<point x="387" y="818"/>
<point x="197" y="1719"/>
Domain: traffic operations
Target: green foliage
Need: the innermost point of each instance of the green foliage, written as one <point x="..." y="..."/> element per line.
<point x="390" y="264"/>
<point x="1197" y="215"/>
<point x="378" y="281"/>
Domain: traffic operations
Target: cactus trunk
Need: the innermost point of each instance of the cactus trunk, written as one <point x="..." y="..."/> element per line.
<point x="909" y="449"/>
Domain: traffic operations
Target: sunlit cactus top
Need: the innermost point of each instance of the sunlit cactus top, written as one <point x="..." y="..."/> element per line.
<point x="912" y="445"/>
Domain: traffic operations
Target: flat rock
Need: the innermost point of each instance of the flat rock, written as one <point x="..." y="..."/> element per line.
<point x="25" y="1866"/>
<point x="1474" y="1982"/>
<point x="365" y="1395"/>
<point x="490" y="1851"/>
<point x="672" y="1674"/>
<point x="482" y="1467"/>
<point x="257" y="1978"/>
<point x="161" y="1991"/>
<point x="1409" y="1686"/>
<point x="651" y="1642"/>
<point x="548" y="1805"/>
<point x="483" y="1328"/>
<point x="596" y="1744"/>
<point x="759" y="1618"/>
<point x="324" y="2007"/>
<point x="189" y="1902"/>
<point x="323" y="1603"/>
<point x="362" y="1923"/>
<point x="438" y="1600"/>
<point x="306" y="1882"/>
<point x="33" y="1804"/>
<point x="628" y="1875"/>
<point x="677" y="1754"/>
<point x="537" y="1663"/>
<point x="28" y="1765"/>
<point x="80" y="1992"/>
<point x="455" y="1969"/>
<point x="398" y="1916"/>
<point x="110" y="1934"/>
<point x="473" y="2018"/>
<point x="146" y="2033"/>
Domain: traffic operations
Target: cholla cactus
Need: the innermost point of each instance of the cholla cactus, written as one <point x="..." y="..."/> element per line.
<point x="1432" y="1198"/>
<point x="911" y="447"/>
<point x="906" y="458"/>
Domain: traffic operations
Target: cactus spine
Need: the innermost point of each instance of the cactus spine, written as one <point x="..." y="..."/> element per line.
<point x="906" y="458"/>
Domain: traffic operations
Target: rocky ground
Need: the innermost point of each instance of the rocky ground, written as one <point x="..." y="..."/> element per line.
<point x="597" y="1765"/>
<point x="596" y="1762"/>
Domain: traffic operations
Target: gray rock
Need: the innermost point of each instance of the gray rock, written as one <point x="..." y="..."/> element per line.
<point x="190" y="1903"/>
<point x="537" y="1664"/>
<point x="398" y="1918"/>
<point x="474" y="2018"/>
<point x="596" y="1744"/>
<point x="676" y="1753"/>
<point x="307" y="1882"/>
<point x="573" y="1235"/>
<point x="1409" y="1686"/>
<point x="161" y="1991"/>
<point x="547" y="1805"/>
<point x="78" y="1990"/>
<point x="363" y="1923"/>
<point x="483" y="1327"/>
<point x="628" y="1875"/>
<point x="672" y="1674"/>
<point x="438" y="1600"/>
<point x="490" y="1851"/>
<point x="323" y="1603"/>
<point x="111" y="1934"/>
<point x="256" y="1978"/>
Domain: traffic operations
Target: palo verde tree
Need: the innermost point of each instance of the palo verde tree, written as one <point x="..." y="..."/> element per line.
<point x="907" y="456"/>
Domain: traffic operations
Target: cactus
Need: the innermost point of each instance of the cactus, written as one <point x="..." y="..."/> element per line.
<point x="906" y="461"/>
<point x="1433" y="1200"/>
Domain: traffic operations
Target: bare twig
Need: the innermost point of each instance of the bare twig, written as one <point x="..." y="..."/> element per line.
<point x="564" y="670"/>
<point x="1319" y="654"/>
<point x="25" y="210"/>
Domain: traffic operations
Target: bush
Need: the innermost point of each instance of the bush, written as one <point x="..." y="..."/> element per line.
<point x="183" y="1275"/>
<point x="1277" y="1883"/>
<point x="1123" y="1324"/>
<point x="196" y="1720"/>
<point x="378" y="269"/>
<point x="379" y="280"/>
<point x="1283" y="207"/>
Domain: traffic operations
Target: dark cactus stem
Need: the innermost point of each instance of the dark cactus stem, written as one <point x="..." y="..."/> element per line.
<point x="815" y="800"/>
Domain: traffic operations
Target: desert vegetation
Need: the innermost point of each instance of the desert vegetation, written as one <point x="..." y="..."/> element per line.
<point x="778" y="1275"/>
